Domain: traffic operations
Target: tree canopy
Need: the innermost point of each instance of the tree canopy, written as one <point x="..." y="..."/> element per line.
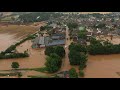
<point x="73" y="73"/>
<point x="97" y="47"/>
<point x="72" y="25"/>
<point x="53" y="63"/>
<point x="59" y="50"/>
<point x="15" y="65"/>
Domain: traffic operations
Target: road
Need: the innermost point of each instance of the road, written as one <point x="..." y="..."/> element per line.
<point x="66" y="64"/>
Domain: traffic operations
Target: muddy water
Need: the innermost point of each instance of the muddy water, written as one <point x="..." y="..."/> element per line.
<point x="6" y="40"/>
<point x="103" y="66"/>
<point x="36" y="59"/>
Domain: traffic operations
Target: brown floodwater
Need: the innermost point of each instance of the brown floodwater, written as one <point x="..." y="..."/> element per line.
<point x="36" y="59"/>
<point x="6" y="40"/>
<point x="103" y="66"/>
<point x="99" y="66"/>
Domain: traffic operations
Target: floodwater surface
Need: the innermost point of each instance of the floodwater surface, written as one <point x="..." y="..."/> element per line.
<point x="103" y="66"/>
<point x="6" y="40"/>
<point x="36" y="59"/>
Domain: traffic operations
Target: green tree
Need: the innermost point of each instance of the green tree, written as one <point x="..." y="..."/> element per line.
<point x="19" y="74"/>
<point x="49" y="50"/>
<point x="72" y="25"/>
<point x="53" y="63"/>
<point x="81" y="73"/>
<point x="74" y="57"/>
<point x="77" y="58"/>
<point x="78" y="47"/>
<point x="15" y="65"/>
<point x="73" y="73"/>
<point x="59" y="50"/>
<point x="82" y="34"/>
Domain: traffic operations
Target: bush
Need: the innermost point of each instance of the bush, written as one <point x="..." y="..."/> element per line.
<point x="81" y="73"/>
<point x="73" y="73"/>
<point x="14" y="55"/>
<point x="43" y="69"/>
<point x="15" y="65"/>
<point x="82" y="66"/>
<point x="19" y="74"/>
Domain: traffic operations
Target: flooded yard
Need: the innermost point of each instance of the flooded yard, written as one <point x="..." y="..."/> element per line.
<point x="36" y="59"/>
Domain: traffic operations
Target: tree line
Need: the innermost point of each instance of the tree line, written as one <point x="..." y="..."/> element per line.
<point x="78" y="55"/>
<point x="98" y="47"/>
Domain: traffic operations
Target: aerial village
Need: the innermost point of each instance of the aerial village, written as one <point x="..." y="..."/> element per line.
<point x="73" y="45"/>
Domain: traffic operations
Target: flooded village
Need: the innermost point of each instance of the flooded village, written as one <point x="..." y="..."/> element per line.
<point x="54" y="32"/>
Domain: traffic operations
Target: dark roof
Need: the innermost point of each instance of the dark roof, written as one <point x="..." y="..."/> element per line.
<point x="55" y="37"/>
<point x="81" y="41"/>
<point x="56" y="42"/>
<point x="48" y="41"/>
<point x="58" y="34"/>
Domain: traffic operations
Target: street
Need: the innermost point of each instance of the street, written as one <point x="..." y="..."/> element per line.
<point x="65" y="64"/>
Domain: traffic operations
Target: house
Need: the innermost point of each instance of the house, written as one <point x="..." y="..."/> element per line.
<point x="82" y="41"/>
<point x="75" y="38"/>
<point x="46" y="41"/>
<point x="38" y="42"/>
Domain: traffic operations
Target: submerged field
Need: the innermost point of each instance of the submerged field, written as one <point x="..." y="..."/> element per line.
<point x="13" y="33"/>
<point x="9" y="34"/>
<point x="18" y="30"/>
